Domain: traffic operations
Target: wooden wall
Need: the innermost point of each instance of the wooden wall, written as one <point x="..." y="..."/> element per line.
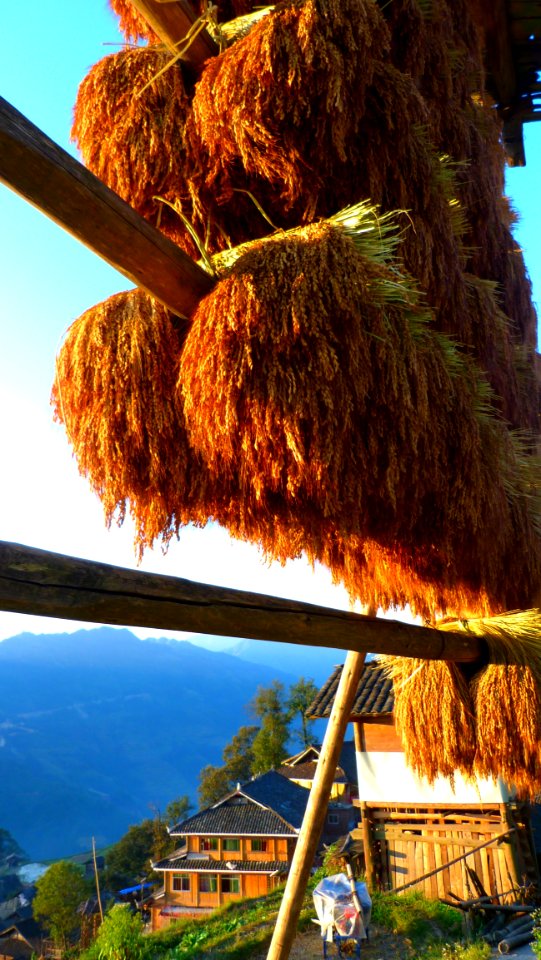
<point x="409" y="843"/>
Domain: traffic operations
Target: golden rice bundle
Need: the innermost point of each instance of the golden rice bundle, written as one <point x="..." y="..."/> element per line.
<point x="129" y="124"/>
<point x="395" y="577"/>
<point x="507" y="362"/>
<point x="434" y="716"/>
<point x="114" y="391"/>
<point x="131" y="23"/>
<point x="507" y="699"/>
<point x="311" y="375"/>
<point x="277" y="112"/>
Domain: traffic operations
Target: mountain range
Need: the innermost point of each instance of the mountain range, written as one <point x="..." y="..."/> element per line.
<point x="99" y="729"/>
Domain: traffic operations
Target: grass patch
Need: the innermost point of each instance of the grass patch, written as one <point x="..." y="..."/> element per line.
<point x="243" y="928"/>
<point x="415" y="917"/>
<point x="235" y="931"/>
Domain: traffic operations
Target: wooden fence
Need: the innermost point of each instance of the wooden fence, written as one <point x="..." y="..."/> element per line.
<point x="440" y="849"/>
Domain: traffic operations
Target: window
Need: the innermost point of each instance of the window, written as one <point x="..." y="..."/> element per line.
<point x="208" y="883"/>
<point x="181" y="881"/>
<point x="230" y="884"/>
<point x="260" y="845"/>
<point x="208" y="843"/>
<point x="233" y="843"/>
<point x="333" y="818"/>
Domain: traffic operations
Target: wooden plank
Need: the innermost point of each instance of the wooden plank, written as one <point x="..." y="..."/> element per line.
<point x="457" y="859"/>
<point x="449" y="842"/>
<point x="171" y="21"/>
<point x="438" y="862"/>
<point x="53" y="585"/>
<point x="58" y="185"/>
<point x="433" y="829"/>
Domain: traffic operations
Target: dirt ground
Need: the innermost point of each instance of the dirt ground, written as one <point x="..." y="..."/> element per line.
<point x="382" y="945"/>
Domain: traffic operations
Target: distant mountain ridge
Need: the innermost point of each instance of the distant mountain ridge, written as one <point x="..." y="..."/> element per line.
<point x="99" y="728"/>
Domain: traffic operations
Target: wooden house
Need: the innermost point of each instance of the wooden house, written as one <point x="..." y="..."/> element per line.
<point x="438" y="837"/>
<point x="302" y="766"/>
<point x="21" y="940"/>
<point x="241" y="846"/>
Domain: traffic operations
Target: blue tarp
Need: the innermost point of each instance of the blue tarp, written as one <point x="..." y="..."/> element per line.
<point x="136" y="889"/>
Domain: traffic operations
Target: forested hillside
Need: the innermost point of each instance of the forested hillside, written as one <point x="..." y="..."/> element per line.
<point x="98" y="728"/>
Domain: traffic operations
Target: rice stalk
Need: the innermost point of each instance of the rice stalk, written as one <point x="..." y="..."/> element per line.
<point x="434" y="717"/>
<point x="131" y="23"/>
<point x="114" y="393"/>
<point x="507" y="696"/>
<point x="313" y="374"/>
<point x="282" y="104"/>
<point x="129" y="124"/>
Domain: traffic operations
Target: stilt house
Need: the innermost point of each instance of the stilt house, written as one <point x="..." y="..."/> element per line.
<point x="457" y="836"/>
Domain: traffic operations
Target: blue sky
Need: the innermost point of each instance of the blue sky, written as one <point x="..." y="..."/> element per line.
<point x="47" y="279"/>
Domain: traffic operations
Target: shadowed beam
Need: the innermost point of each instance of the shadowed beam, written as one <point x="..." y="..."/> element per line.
<point x="58" y="185"/>
<point x="171" y="21"/>
<point x="52" y="585"/>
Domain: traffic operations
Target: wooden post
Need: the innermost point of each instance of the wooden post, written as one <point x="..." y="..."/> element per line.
<point x="366" y="828"/>
<point x="96" y="877"/>
<point x="316" y="810"/>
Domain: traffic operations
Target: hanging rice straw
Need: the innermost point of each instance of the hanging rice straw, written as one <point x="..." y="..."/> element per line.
<point x="114" y="392"/>
<point x="283" y="104"/>
<point x="312" y="375"/>
<point x="434" y="717"/>
<point x="507" y="697"/>
<point x="131" y="23"/>
<point x="129" y="123"/>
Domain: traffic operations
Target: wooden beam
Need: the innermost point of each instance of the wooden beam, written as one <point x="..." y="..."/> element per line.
<point x="58" y="185"/>
<point x="316" y="810"/>
<point x="52" y="585"/>
<point x="172" y="21"/>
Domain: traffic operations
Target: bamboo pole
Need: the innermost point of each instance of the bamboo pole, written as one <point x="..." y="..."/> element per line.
<point x="316" y="810"/>
<point x="58" y="185"/>
<point x="96" y="878"/>
<point x="53" y="585"/>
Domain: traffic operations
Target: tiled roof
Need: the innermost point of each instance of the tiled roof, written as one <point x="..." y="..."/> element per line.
<point x="374" y="695"/>
<point x="299" y="768"/>
<point x="306" y="771"/>
<point x="206" y="865"/>
<point x="269" y="805"/>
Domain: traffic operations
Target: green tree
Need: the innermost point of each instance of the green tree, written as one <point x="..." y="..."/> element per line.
<point x="120" y="936"/>
<point x="177" y="810"/>
<point x="301" y="695"/>
<point x="214" y="781"/>
<point x="269" y="745"/>
<point x="59" y="893"/>
<point x="129" y="859"/>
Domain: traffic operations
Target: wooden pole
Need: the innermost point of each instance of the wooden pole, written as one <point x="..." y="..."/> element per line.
<point x="172" y="21"/>
<point x="96" y="877"/>
<point x="316" y="810"/>
<point x="53" y="585"/>
<point x="58" y="185"/>
<point x="366" y="828"/>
